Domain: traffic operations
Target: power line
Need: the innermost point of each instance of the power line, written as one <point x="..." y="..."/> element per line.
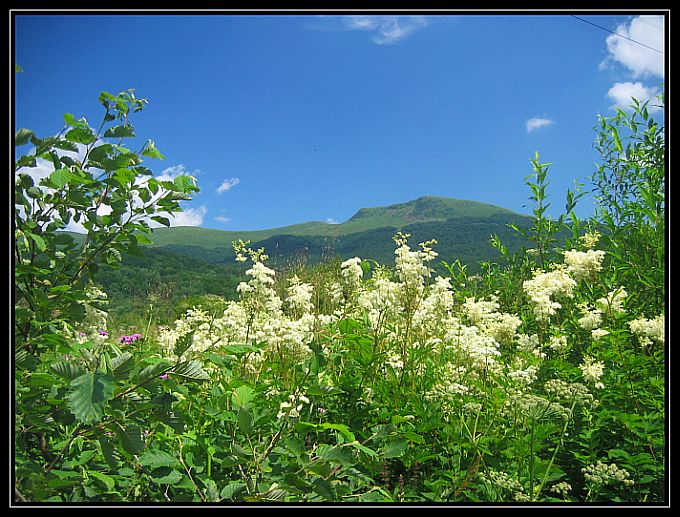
<point x="616" y="34"/>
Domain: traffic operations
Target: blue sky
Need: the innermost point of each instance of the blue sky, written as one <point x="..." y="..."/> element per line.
<point x="292" y="117"/>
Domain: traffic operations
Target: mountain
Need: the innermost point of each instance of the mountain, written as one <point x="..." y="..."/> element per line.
<point x="462" y="228"/>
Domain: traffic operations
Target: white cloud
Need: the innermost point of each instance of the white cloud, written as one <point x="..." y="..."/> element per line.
<point x="222" y="219"/>
<point x="536" y="123"/>
<point x="227" y="184"/>
<point x="622" y="94"/>
<point x="189" y="217"/>
<point x="641" y="61"/>
<point x="332" y="220"/>
<point x="385" y="30"/>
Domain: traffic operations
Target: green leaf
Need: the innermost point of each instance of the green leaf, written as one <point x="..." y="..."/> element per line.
<point x="131" y="438"/>
<point x="153" y="370"/>
<point x="166" y="476"/>
<point x="122" y="131"/>
<point x="124" y="176"/>
<point x="192" y="370"/>
<point x="232" y="488"/>
<point x="343" y="429"/>
<point x="89" y="395"/>
<point x="150" y="151"/>
<point x="245" y="420"/>
<point x="396" y="448"/>
<point x="121" y="364"/>
<point x="60" y="177"/>
<point x="185" y="183"/>
<point x="107" y="480"/>
<point x="162" y="220"/>
<point x="80" y="135"/>
<point x="68" y="370"/>
<point x="39" y="241"/>
<point x="242" y="396"/>
<point x="183" y="343"/>
<point x="22" y="137"/>
<point x="155" y="458"/>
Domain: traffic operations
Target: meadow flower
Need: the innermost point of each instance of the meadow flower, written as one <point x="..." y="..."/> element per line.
<point x="598" y="334"/>
<point x="562" y="488"/>
<point x="613" y="301"/>
<point x="649" y="330"/>
<point x="543" y="287"/>
<point x="590" y="239"/>
<point x="591" y="319"/>
<point x="583" y="265"/>
<point x="592" y="371"/>
<point x="606" y="474"/>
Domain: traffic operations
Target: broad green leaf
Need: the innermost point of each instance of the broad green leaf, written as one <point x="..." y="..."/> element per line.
<point x="39" y="241"/>
<point x="166" y="476"/>
<point x="22" y="136"/>
<point x="122" y="131"/>
<point x="107" y="480"/>
<point x="185" y="183"/>
<point x="183" y="343"/>
<point x="192" y="370"/>
<point x="242" y="396"/>
<point x="89" y="395"/>
<point x="162" y="220"/>
<point x="150" y="151"/>
<point x="245" y="420"/>
<point x="124" y="176"/>
<point x="68" y="370"/>
<point x="155" y="458"/>
<point x="121" y="364"/>
<point x="232" y="488"/>
<point x="80" y="135"/>
<point x="60" y="177"/>
<point x="153" y="370"/>
<point x="396" y="448"/>
<point x="343" y="429"/>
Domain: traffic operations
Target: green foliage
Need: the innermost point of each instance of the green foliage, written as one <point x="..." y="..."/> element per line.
<point x="106" y="189"/>
<point x="537" y="378"/>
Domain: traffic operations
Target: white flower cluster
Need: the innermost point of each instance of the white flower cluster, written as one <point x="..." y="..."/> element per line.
<point x="257" y="318"/>
<point x="524" y="377"/>
<point x="583" y="265"/>
<point x="592" y="371"/>
<point x="590" y="239"/>
<point x="649" y="331"/>
<point x="562" y="489"/>
<point x="502" y="481"/>
<point x="484" y="314"/>
<point x="293" y="406"/>
<point x="603" y="474"/>
<point x="569" y="392"/>
<point x="545" y="286"/>
<point x="613" y="302"/>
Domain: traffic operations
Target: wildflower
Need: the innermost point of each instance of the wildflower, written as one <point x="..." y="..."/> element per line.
<point x="592" y="371"/>
<point x="598" y="334"/>
<point x="590" y="239"/>
<point x="613" y="301"/>
<point x="558" y="343"/>
<point x="603" y="474"/>
<point x="591" y="319"/>
<point x="649" y="331"/>
<point x="563" y="488"/>
<point x="164" y="377"/>
<point x="583" y="265"/>
<point x="543" y="287"/>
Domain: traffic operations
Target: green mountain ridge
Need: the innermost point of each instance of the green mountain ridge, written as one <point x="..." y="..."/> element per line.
<point x="462" y="229"/>
<point x="425" y="209"/>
